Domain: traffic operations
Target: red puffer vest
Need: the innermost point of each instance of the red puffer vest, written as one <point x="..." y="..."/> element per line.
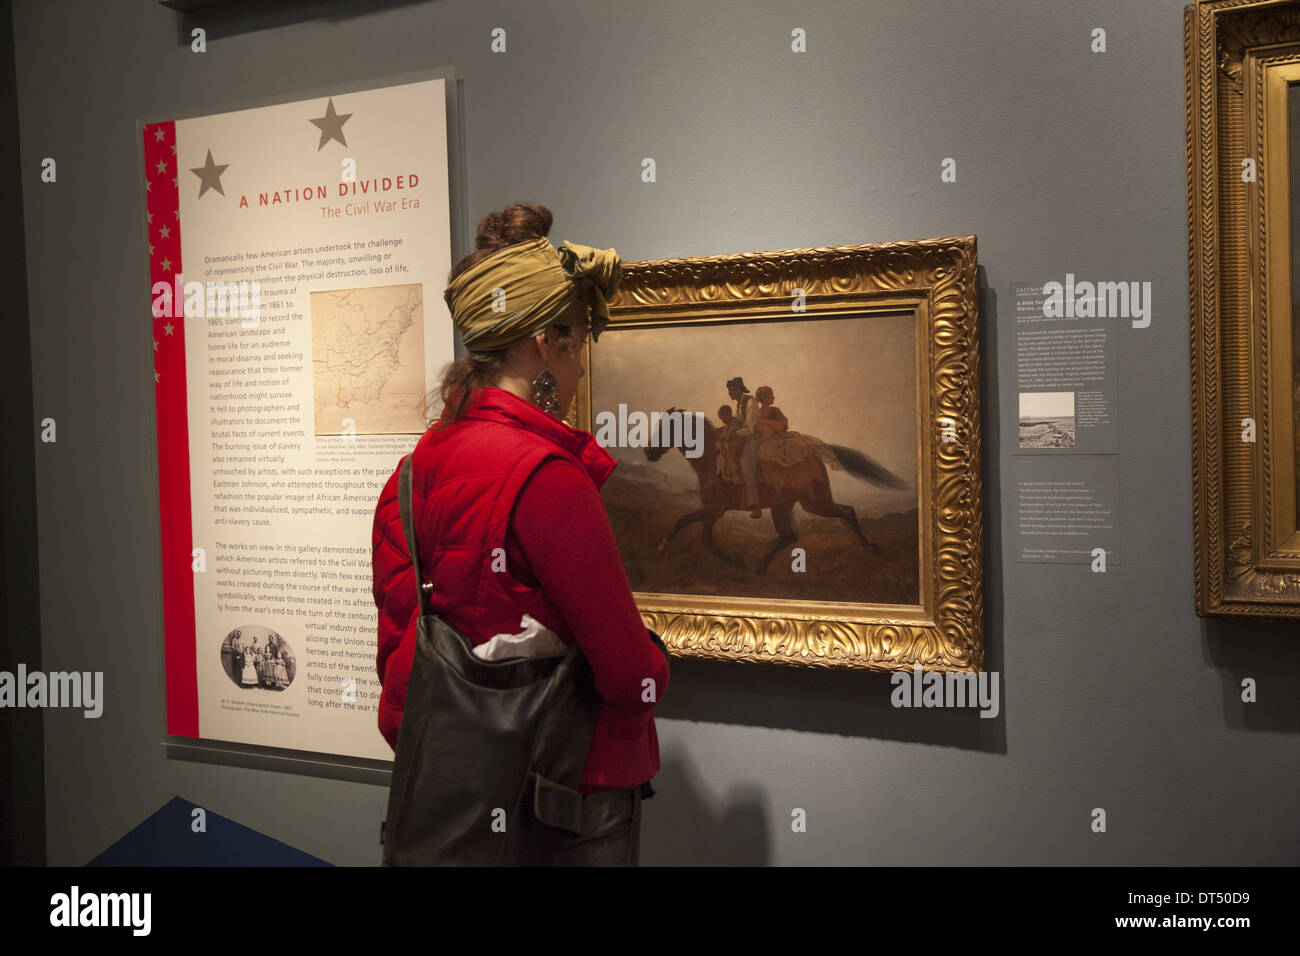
<point x="467" y="476"/>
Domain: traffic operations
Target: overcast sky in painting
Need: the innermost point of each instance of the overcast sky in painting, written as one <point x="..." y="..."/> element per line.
<point x="848" y="381"/>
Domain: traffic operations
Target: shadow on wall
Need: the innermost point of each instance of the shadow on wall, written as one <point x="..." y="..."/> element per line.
<point x="228" y="18"/>
<point x="1268" y="653"/>
<point x="736" y="837"/>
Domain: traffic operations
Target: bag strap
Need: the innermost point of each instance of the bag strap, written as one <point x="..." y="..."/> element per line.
<point x="423" y="589"/>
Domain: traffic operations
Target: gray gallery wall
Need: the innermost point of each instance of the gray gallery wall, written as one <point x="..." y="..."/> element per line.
<point x="1115" y="694"/>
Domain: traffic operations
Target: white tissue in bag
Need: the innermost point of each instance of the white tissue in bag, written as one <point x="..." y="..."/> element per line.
<point x="535" y="640"/>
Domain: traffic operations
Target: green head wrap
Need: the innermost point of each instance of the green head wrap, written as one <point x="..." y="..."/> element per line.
<point x="522" y="289"/>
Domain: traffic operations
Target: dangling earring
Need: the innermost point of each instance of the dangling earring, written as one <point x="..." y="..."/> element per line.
<point x="544" y="392"/>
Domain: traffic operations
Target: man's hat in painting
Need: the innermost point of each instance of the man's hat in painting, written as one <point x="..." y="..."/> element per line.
<point x="738" y="382"/>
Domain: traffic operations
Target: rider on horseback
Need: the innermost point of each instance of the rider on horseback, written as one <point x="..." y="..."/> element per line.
<point x="747" y="412"/>
<point x="787" y="458"/>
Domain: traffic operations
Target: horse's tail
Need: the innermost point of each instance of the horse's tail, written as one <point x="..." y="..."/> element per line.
<point x="862" y="466"/>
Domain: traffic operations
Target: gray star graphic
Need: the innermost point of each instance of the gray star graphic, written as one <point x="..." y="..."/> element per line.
<point x="165" y="232"/>
<point x="331" y="125"/>
<point x="210" y="175"/>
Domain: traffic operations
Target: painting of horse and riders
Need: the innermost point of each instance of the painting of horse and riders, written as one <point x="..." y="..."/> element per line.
<point x="799" y="481"/>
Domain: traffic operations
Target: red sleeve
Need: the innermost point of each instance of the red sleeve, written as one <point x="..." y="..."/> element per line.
<point x="388" y="561"/>
<point x="393" y="574"/>
<point x="562" y="529"/>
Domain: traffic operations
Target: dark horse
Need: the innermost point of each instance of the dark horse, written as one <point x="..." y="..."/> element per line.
<point x="718" y="497"/>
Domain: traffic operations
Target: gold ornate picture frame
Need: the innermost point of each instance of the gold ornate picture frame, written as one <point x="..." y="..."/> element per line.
<point x="1242" y="67"/>
<point x="930" y="287"/>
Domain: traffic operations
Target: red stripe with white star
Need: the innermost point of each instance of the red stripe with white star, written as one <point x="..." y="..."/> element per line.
<point x="163" y="208"/>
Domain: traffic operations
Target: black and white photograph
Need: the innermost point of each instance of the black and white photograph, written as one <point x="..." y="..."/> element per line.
<point x="1047" y="420"/>
<point x="257" y="657"/>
